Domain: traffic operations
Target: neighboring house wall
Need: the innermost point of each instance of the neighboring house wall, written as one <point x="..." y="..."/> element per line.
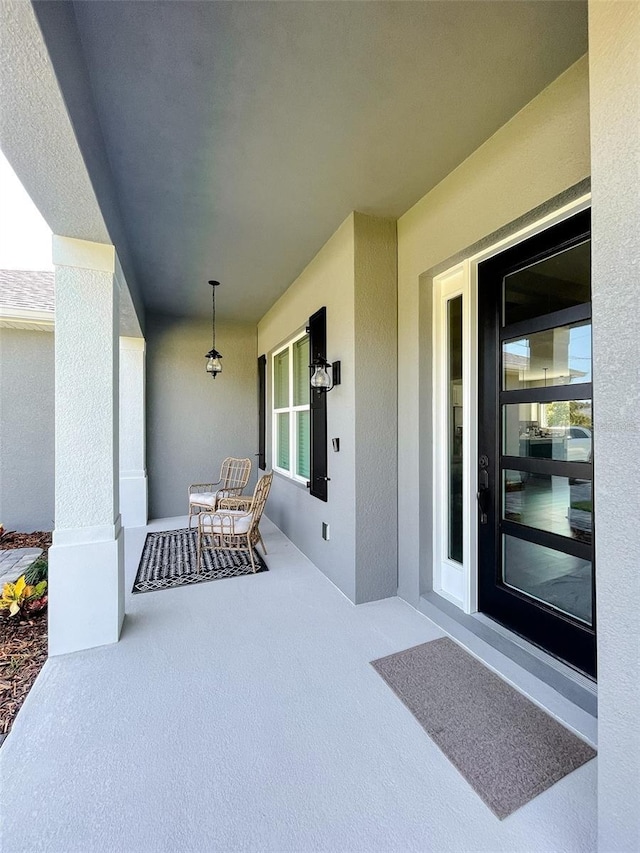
<point x="27" y="429"/>
<point x="541" y="152"/>
<point x="194" y="421"/>
<point x="354" y="276"/>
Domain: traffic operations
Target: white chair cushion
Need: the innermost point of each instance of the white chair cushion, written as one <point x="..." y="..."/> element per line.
<point x="231" y="521"/>
<point x="209" y="498"/>
<point x="203" y="498"/>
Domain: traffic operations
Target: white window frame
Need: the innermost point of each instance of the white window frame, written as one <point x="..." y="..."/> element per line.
<point x="451" y="579"/>
<point x="292" y="410"/>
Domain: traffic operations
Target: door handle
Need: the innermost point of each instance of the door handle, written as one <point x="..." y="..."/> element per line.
<point x="483" y="503"/>
<point x="483" y="494"/>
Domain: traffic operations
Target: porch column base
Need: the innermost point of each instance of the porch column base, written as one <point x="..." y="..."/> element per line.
<point x="86" y="583"/>
<point x="133" y="498"/>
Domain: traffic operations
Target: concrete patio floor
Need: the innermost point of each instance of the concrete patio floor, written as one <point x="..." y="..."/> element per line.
<point x="243" y="715"/>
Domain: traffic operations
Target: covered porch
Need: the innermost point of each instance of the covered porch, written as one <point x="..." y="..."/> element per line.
<point x="244" y="715"/>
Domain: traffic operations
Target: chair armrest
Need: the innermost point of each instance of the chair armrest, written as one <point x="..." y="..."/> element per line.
<point x="232" y="491"/>
<point x="236" y="503"/>
<point x="203" y="487"/>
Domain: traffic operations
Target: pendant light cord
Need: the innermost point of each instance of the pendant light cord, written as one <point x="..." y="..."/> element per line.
<point x="213" y="284"/>
<point x="213" y="315"/>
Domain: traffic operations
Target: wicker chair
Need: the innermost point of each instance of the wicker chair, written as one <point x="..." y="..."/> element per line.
<point x="235" y="525"/>
<point x="234" y="476"/>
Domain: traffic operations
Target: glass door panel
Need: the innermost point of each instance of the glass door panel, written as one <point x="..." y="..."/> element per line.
<point x="552" y="577"/>
<point x="454" y="406"/>
<point x="558" y="356"/>
<point x="536" y="441"/>
<point x="554" y="284"/>
<point x="561" y="430"/>
<point x="560" y="505"/>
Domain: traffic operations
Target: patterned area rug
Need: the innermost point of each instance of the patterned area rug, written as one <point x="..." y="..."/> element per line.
<point x="169" y="559"/>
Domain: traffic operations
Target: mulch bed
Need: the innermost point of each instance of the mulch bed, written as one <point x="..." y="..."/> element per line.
<point x="37" y="539"/>
<point x="23" y="644"/>
<point x="23" y="651"/>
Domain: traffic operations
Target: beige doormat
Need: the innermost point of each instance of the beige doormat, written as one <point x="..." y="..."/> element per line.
<point x="507" y="748"/>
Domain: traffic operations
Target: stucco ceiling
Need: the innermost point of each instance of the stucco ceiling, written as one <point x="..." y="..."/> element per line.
<point x="239" y="135"/>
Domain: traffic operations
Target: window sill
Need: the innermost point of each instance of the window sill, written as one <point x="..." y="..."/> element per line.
<point x="297" y="483"/>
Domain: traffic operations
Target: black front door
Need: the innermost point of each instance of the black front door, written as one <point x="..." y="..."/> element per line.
<point x="535" y="445"/>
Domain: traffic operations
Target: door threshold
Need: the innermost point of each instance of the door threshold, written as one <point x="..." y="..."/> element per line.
<point x="564" y="693"/>
<point x="585" y="682"/>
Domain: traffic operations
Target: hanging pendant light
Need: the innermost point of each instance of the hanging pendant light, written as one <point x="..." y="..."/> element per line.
<point x="213" y="356"/>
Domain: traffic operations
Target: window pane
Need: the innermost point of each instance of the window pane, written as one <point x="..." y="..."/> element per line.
<point x="559" y="356"/>
<point x="558" y="579"/>
<point x="301" y="372"/>
<point x="282" y="452"/>
<point x="561" y="430"/>
<point x="562" y="281"/>
<point x="557" y="504"/>
<point x="303" y="446"/>
<point x="454" y="323"/>
<point x="281" y="379"/>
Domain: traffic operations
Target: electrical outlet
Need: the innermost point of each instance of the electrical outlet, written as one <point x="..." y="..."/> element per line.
<point x="325" y="531"/>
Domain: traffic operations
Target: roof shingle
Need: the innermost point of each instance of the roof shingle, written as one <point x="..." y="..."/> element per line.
<point x="27" y="289"/>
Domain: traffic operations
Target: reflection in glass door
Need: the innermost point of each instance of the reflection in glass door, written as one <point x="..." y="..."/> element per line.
<point x="536" y="430"/>
<point x="455" y="419"/>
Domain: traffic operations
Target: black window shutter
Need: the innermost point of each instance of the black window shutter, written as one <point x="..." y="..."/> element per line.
<point x="318" y="406"/>
<point x="262" y="413"/>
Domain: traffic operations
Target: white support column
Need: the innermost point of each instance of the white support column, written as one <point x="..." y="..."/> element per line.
<point x="86" y="575"/>
<point x="133" y="474"/>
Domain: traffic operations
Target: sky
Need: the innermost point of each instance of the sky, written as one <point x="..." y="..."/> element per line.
<point x="25" y="238"/>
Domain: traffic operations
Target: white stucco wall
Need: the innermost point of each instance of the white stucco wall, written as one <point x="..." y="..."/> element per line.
<point x="26" y="430"/>
<point x="354" y="277"/>
<point x="133" y="446"/>
<point x="88" y="540"/>
<point x="614" y="37"/>
<point x="540" y="153"/>
<point x="194" y="421"/>
<point x="86" y="325"/>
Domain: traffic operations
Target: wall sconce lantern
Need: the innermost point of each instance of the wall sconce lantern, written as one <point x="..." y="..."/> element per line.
<point x="320" y="380"/>
<point x="213" y="356"/>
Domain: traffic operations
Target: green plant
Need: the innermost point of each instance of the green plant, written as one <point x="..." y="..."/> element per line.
<point x="569" y="413"/>
<point x="585" y="506"/>
<point x="38" y="571"/>
<point x="15" y="662"/>
<point x="21" y="596"/>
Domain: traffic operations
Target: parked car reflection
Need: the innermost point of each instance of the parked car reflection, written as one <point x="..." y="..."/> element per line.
<point x="579" y="444"/>
<point x="566" y="444"/>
